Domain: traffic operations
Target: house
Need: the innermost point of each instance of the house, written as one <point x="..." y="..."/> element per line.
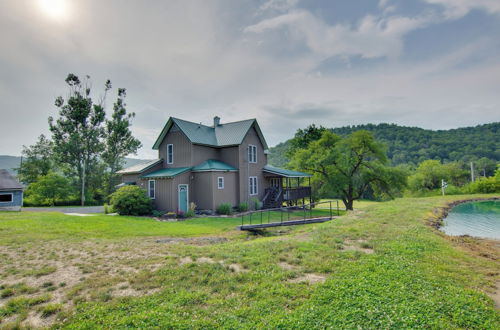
<point x="11" y="192"/>
<point x="211" y="165"/>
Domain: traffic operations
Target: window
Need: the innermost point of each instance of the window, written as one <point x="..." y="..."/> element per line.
<point x="5" y="198"/>
<point x="252" y="184"/>
<point x="220" y="182"/>
<point x="252" y="154"/>
<point x="170" y="153"/>
<point x="275" y="182"/>
<point x="152" y="189"/>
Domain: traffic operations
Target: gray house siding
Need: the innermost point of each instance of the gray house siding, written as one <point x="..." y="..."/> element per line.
<point x="248" y="169"/>
<point x="182" y="149"/>
<point x="17" y="200"/>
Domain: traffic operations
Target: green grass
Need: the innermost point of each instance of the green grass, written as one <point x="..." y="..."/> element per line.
<point x="19" y="227"/>
<point x="383" y="267"/>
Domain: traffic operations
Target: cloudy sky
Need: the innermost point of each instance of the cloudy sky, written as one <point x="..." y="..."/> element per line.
<point x="427" y="63"/>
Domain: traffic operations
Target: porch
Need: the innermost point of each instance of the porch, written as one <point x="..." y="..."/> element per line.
<point x="285" y="187"/>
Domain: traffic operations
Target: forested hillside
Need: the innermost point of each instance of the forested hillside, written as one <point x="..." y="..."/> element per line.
<point x="412" y="145"/>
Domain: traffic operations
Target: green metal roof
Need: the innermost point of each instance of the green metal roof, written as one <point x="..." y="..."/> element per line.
<point x="139" y="168"/>
<point x="166" y="173"/>
<point x="213" y="165"/>
<point x="285" y="172"/>
<point x="223" y="135"/>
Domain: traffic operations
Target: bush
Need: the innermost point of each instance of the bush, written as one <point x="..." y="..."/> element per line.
<point x="243" y="207"/>
<point x="108" y="209"/>
<point x="157" y="213"/>
<point x="485" y="185"/>
<point x="131" y="200"/>
<point x="257" y="205"/>
<point x="49" y="190"/>
<point x="224" y="208"/>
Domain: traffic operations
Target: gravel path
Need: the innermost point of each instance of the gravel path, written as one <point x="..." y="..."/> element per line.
<point x="74" y="209"/>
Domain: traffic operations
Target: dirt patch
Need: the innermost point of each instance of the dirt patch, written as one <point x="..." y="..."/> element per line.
<point x="360" y="245"/>
<point x="237" y="268"/>
<point x="205" y="260"/>
<point x="287" y="266"/>
<point x="496" y="295"/>
<point x="308" y="278"/>
<point x="193" y="240"/>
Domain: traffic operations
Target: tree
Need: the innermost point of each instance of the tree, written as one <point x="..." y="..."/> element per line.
<point x="303" y="137"/>
<point x="78" y="131"/>
<point x="119" y="140"/>
<point x="49" y="189"/>
<point x="485" y="166"/>
<point x="429" y="174"/>
<point x="37" y="160"/>
<point x="349" y="166"/>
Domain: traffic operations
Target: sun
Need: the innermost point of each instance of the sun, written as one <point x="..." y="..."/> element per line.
<point x="54" y="9"/>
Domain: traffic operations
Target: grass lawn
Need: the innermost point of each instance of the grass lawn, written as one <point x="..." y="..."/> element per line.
<point x="381" y="266"/>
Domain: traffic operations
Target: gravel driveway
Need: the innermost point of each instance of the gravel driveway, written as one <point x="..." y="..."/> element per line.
<point x="74" y="209"/>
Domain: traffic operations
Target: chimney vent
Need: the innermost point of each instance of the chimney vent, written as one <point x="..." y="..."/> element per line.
<point x="216" y="121"/>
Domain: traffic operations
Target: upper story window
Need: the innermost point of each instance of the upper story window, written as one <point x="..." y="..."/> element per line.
<point x="252" y="154"/>
<point x="220" y="182"/>
<point x="170" y="153"/>
<point x="152" y="189"/>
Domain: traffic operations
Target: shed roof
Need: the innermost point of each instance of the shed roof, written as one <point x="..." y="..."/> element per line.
<point x="166" y="173"/>
<point x="213" y="165"/>
<point x="8" y="182"/>
<point x="139" y="168"/>
<point x="222" y="135"/>
<point x="284" y="172"/>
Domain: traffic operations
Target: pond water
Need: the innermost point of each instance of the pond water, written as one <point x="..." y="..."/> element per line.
<point x="480" y="219"/>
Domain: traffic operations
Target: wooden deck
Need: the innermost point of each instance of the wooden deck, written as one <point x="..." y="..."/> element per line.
<point x="284" y="223"/>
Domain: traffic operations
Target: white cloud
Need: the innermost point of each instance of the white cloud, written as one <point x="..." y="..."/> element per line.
<point x="455" y="9"/>
<point x="372" y="37"/>
<point x="280" y="5"/>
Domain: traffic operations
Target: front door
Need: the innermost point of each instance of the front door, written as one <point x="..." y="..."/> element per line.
<point x="183" y="198"/>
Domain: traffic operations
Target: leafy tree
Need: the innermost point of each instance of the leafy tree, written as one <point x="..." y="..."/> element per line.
<point x="131" y="200"/>
<point x="348" y="167"/>
<point x="78" y="131"/>
<point x="485" y="166"/>
<point x="37" y="160"/>
<point x="429" y="174"/>
<point x="119" y="140"/>
<point x="49" y="189"/>
<point x="303" y="137"/>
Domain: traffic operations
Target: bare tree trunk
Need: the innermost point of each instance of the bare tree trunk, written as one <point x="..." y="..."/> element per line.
<point x="83" y="183"/>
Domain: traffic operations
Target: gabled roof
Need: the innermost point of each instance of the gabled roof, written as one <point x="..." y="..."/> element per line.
<point x="8" y="182"/>
<point x="166" y="173"/>
<point x="284" y="172"/>
<point x="139" y="168"/>
<point x="213" y="165"/>
<point x="223" y="135"/>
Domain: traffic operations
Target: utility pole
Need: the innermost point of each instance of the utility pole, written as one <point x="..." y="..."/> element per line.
<point x="472" y="171"/>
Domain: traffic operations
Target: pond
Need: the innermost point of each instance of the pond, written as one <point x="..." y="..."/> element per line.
<point x="480" y="219"/>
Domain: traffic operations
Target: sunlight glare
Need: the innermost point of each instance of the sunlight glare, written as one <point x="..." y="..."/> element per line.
<point x="55" y="9"/>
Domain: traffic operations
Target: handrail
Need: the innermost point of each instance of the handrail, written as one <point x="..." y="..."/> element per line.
<point x="287" y="209"/>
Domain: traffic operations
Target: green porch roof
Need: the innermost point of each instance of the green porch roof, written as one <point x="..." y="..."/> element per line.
<point x="166" y="173"/>
<point x="284" y="172"/>
<point x="213" y="165"/>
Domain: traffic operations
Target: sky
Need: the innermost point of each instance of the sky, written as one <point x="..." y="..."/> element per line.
<point x="289" y="63"/>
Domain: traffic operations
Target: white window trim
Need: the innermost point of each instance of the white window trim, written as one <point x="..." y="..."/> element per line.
<point x="11" y="198"/>
<point x="170" y="161"/>
<point x="250" y="179"/>
<point x="254" y="154"/>
<point x="154" y="189"/>
<point x="219" y="181"/>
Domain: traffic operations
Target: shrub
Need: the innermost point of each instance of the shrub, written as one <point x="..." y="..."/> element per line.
<point x="243" y="207"/>
<point x="224" y="208"/>
<point x="485" y="185"/>
<point x="257" y="205"/>
<point x="49" y="190"/>
<point x="189" y="213"/>
<point x="131" y="200"/>
<point x="50" y="309"/>
<point x="108" y="209"/>
<point x="157" y="213"/>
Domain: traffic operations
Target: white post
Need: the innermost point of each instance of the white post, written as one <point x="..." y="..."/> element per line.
<point x="472" y="171"/>
<point x="442" y="186"/>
